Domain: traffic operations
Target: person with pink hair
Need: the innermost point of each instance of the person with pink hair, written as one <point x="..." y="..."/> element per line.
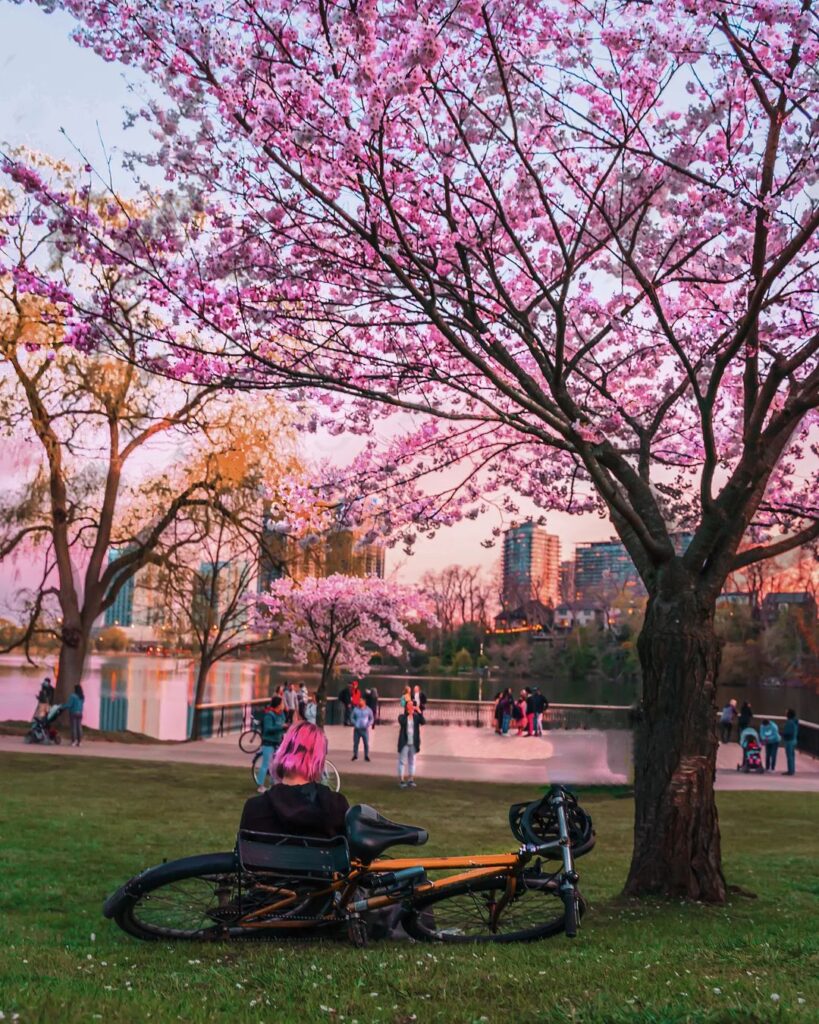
<point x="299" y="805"/>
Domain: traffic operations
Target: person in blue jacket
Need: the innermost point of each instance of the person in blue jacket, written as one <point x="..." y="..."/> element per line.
<point x="274" y="722"/>
<point x="74" y="707"/>
<point x="790" y="734"/>
<point x="769" y="736"/>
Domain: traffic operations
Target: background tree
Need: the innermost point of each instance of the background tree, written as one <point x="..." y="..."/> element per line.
<point x="461" y="597"/>
<point x="209" y="557"/>
<point x="82" y="420"/>
<point x="578" y="240"/>
<point x="340" y="621"/>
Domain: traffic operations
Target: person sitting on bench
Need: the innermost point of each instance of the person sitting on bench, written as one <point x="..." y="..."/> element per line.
<point x="301" y="805"/>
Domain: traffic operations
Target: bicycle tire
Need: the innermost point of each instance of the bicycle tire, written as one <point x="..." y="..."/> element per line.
<point x="139" y="912"/>
<point x="331" y="777"/>
<point x="475" y="899"/>
<point x="250" y="741"/>
<point x="135" y="915"/>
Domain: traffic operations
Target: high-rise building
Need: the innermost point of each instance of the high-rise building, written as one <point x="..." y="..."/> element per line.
<point x="216" y="586"/>
<point x="601" y="565"/>
<point x="531" y="566"/>
<point x="121" y="612"/>
<point x="337" y="551"/>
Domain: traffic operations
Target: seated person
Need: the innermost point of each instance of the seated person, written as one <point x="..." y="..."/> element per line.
<point x="301" y="805"/>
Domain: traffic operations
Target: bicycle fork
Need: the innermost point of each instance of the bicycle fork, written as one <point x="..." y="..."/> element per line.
<point x="569" y="878"/>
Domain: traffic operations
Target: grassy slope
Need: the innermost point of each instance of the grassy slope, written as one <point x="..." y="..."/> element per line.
<point x="70" y="831"/>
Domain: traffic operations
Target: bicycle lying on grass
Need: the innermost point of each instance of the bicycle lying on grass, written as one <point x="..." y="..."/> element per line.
<point x="272" y="885"/>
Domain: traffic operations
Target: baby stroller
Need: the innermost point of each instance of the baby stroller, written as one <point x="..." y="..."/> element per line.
<point x="751" y="752"/>
<point x="43" y="728"/>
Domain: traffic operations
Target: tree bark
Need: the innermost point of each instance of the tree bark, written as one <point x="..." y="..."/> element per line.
<point x="199" y="692"/>
<point x="676" y="828"/>
<point x="73" y="651"/>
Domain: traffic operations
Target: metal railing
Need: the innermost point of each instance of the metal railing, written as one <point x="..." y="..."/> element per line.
<point x="235" y="716"/>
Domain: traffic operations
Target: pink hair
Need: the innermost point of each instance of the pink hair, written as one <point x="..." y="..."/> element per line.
<point x="302" y="752"/>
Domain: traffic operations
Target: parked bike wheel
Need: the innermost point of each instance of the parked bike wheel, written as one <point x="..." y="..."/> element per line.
<point x="331" y="778"/>
<point x="176" y="900"/>
<point x="250" y="741"/>
<point x="468" y="913"/>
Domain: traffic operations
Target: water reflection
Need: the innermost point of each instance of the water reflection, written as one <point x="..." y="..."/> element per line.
<point x="154" y="696"/>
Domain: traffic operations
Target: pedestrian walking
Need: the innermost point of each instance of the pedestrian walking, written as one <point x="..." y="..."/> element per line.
<point x="291" y="702"/>
<point x="419" y="698"/>
<point x="345" y="699"/>
<point x="541" y="707"/>
<point x="274" y="722"/>
<point x="726" y="720"/>
<point x="409" y="744"/>
<point x="371" y="699"/>
<point x="355" y="696"/>
<point x="311" y="709"/>
<point x="519" y="713"/>
<point x="769" y="736"/>
<point x="790" y="734"/>
<point x="303" y="699"/>
<point x="746" y="714"/>
<point x="74" y="707"/>
<point x="506" y="704"/>
<point x="362" y="719"/>
<point x="531" y="704"/>
<point x="45" y="698"/>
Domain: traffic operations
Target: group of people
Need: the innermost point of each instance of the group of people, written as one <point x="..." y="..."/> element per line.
<point x="74" y="706"/>
<point x="525" y="714"/>
<point x="769" y="736"/>
<point x="352" y="696"/>
<point x="288" y="706"/>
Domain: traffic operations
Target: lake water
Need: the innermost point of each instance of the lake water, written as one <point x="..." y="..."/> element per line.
<point x="154" y="696"/>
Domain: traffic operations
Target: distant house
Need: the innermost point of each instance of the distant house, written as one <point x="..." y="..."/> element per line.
<point x="532" y="615"/>
<point x="731" y="599"/>
<point x="569" y="616"/>
<point x="799" y="601"/>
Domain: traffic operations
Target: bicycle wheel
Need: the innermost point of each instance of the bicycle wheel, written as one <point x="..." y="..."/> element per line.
<point x="250" y="741"/>
<point x="177" y="900"/>
<point x="468" y="912"/>
<point x="331" y="777"/>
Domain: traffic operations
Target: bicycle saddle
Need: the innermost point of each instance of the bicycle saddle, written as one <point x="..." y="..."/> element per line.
<point x="369" y="833"/>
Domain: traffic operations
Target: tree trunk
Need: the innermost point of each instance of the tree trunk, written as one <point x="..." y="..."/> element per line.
<point x="199" y="692"/>
<point x="321" y="699"/>
<point x="71" y="663"/>
<point x="676" y="828"/>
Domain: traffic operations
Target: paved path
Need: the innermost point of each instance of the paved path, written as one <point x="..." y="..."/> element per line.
<point x="578" y="757"/>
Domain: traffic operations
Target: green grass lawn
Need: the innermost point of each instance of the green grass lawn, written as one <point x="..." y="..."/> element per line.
<point x="71" y="830"/>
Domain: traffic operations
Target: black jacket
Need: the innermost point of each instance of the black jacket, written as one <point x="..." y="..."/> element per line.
<point x="307" y="810"/>
<point x="418" y="719"/>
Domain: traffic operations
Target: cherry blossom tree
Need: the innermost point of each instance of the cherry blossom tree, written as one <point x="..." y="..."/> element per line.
<point x="341" y="621"/>
<point x="577" y="242"/>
